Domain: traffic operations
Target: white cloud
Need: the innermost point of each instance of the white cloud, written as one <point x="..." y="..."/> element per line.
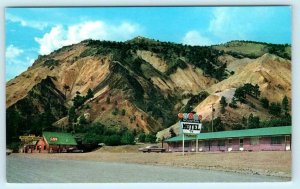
<point x="60" y="36"/>
<point x="226" y="24"/>
<point x="15" y="62"/>
<point x="26" y="23"/>
<point x="238" y="23"/>
<point x="195" y="38"/>
<point x="12" y="52"/>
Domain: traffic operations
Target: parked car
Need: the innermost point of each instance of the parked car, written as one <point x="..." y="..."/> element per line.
<point x="77" y="151"/>
<point x="74" y="150"/>
<point x="8" y="151"/>
<point x="152" y="149"/>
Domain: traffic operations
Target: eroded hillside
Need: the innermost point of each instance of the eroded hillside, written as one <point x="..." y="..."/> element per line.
<point x="140" y="85"/>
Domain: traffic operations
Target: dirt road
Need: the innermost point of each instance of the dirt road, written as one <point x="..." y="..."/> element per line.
<point x="29" y="169"/>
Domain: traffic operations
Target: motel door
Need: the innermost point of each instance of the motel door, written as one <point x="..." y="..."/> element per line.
<point x="229" y="145"/>
<point x="241" y="144"/>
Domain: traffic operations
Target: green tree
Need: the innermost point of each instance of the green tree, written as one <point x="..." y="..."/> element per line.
<point x="264" y="102"/>
<point x="172" y="133"/>
<point x="275" y="109"/>
<point x="240" y="94"/>
<point x="218" y="124"/>
<point x="92" y="138"/>
<point x="89" y="94"/>
<point x="256" y="91"/>
<point x="72" y="115"/>
<point x="127" y="138"/>
<point x="78" y="101"/>
<point x="123" y="112"/>
<point x="245" y="122"/>
<point x="285" y="104"/>
<point x="13" y="122"/>
<point x="48" y="119"/>
<point x="233" y="103"/>
<point x="248" y="87"/>
<point x="253" y="121"/>
<point x="142" y="137"/>
<point x="223" y="104"/>
<point x="150" y="138"/>
<point x="82" y="120"/>
<point x="115" y="111"/>
<point x="113" y="140"/>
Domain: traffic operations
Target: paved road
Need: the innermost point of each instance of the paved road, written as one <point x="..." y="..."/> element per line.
<point x="21" y="169"/>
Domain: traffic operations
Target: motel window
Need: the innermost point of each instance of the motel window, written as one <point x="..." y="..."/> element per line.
<point x="207" y="143"/>
<point x="187" y="144"/>
<point x="254" y="140"/>
<point x="221" y="142"/>
<point x="276" y="140"/>
<point x="229" y="141"/>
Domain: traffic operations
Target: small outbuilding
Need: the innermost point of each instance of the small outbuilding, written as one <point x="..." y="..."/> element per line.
<point x="260" y="139"/>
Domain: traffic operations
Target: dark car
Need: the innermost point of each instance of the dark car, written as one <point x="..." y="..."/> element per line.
<point x="152" y="149"/>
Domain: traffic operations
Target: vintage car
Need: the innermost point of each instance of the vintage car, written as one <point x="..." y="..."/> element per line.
<point x="152" y="149"/>
<point x="8" y="151"/>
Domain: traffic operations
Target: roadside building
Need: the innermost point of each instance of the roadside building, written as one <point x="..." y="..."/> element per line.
<point x="28" y="143"/>
<point x="260" y="139"/>
<point x="57" y="142"/>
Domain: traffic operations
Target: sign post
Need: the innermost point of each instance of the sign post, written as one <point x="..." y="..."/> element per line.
<point x="183" y="144"/>
<point x="190" y="124"/>
<point x="197" y="147"/>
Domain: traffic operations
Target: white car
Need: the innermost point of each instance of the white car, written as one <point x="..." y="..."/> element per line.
<point x="8" y="151"/>
<point x="152" y="149"/>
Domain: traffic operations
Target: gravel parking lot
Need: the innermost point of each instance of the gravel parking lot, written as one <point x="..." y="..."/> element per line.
<point x="48" y="168"/>
<point x="268" y="163"/>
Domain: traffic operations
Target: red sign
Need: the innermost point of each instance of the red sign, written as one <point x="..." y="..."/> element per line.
<point x="190" y="115"/>
<point x="180" y="115"/>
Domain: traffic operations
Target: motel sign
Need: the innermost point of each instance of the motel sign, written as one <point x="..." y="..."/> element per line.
<point x="190" y="123"/>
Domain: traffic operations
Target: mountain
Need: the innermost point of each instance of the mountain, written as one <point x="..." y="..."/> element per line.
<point x="142" y="84"/>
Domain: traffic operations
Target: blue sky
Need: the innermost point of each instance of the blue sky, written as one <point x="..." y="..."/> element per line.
<point x="34" y="31"/>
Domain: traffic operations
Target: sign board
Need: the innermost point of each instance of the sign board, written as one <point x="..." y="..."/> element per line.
<point x="191" y="128"/>
<point x="29" y="138"/>
<point x="190" y="123"/>
<point x="53" y="139"/>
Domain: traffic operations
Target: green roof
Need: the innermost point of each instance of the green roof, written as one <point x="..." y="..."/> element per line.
<point x="59" y="138"/>
<point x="269" y="131"/>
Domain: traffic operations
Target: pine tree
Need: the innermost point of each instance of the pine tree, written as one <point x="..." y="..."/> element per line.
<point x="172" y="133"/>
<point x="240" y="94"/>
<point x="233" y="103"/>
<point x="253" y="121"/>
<point x="72" y="115"/>
<point x="223" y="104"/>
<point x="275" y="109"/>
<point x="89" y="94"/>
<point x="285" y="104"/>
<point x="256" y="91"/>
<point x="264" y="102"/>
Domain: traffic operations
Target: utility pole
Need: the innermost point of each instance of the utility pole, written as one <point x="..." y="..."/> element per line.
<point x="212" y="117"/>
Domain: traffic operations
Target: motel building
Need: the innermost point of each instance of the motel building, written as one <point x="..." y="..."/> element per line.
<point x="260" y="139"/>
<point x="51" y="142"/>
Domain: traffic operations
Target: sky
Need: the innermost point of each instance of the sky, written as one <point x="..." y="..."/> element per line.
<point x="31" y="32"/>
